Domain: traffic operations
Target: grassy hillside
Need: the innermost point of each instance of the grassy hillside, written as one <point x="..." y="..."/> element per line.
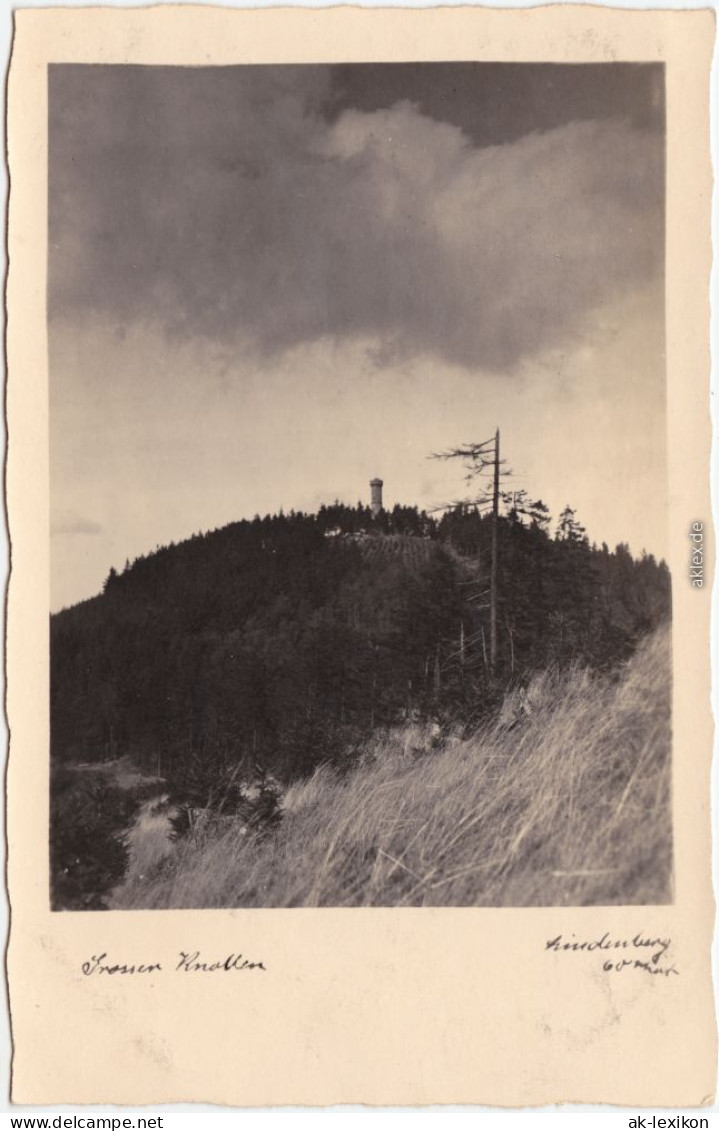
<point x="566" y="805"/>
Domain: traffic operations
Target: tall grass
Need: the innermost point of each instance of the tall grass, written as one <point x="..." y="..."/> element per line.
<point x="569" y="805"/>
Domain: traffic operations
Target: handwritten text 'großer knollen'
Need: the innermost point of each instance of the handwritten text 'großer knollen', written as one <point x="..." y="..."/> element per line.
<point x="188" y="962"/>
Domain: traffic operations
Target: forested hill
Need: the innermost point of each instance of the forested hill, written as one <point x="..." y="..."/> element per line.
<point x="284" y="641"/>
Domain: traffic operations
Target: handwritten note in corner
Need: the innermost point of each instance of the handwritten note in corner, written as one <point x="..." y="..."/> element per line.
<point x="641" y="952"/>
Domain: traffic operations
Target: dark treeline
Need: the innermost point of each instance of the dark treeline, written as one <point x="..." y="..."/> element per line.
<point x="285" y="641"/>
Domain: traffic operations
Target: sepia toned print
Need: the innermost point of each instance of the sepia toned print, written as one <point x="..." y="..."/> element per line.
<point x="265" y="285"/>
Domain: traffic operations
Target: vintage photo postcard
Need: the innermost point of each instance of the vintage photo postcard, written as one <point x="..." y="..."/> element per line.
<point x="358" y="489"/>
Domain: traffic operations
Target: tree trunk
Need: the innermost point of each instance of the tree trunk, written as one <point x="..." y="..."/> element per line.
<point x="493" y="580"/>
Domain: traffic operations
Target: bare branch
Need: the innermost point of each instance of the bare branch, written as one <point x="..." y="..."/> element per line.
<point x="473" y="452"/>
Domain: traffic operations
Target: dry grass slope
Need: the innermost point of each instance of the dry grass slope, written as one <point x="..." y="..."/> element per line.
<point x="572" y="806"/>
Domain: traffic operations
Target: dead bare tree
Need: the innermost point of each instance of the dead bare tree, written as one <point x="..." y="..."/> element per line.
<point x="483" y="464"/>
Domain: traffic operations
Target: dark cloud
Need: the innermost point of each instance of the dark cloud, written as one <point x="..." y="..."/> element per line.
<point x="257" y="207"/>
<point x="493" y="103"/>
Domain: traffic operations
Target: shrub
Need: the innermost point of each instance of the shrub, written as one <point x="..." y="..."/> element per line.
<point x="88" y="849"/>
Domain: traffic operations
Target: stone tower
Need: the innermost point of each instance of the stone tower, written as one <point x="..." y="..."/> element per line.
<point x="376" y="504"/>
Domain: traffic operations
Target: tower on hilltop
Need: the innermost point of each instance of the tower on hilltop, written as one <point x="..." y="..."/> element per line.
<point x="376" y="504"/>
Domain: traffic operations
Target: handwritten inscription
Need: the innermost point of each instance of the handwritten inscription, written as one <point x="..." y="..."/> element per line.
<point x="188" y="962"/>
<point x="650" y="959"/>
<point x="191" y="963"/>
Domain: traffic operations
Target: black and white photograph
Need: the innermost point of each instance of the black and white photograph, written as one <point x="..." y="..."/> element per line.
<point x="358" y="486"/>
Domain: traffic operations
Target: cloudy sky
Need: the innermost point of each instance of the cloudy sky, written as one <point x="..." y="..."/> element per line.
<point x="269" y="284"/>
